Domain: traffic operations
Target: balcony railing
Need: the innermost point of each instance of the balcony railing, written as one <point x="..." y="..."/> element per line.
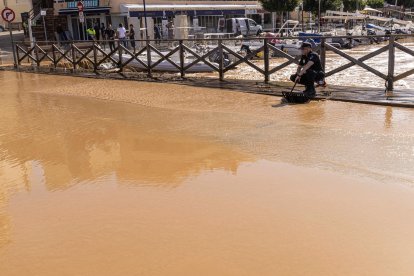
<point x="86" y="4"/>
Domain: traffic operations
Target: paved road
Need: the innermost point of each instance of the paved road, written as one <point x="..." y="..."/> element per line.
<point x="6" y="54"/>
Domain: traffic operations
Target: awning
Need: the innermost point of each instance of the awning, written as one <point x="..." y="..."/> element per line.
<point x="86" y="11"/>
<point x="137" y="10"/>
<point x="368" y="9"/>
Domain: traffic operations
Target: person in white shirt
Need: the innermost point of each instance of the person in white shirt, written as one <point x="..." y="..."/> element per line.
<point x="121" y="34"/>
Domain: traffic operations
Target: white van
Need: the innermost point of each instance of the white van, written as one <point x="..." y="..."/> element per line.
<point x="239" y="26"/>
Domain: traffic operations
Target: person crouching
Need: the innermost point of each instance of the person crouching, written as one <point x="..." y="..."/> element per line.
<point x="309" y="70"/>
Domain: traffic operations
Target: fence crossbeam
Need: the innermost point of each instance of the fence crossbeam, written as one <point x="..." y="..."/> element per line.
<point x="84" y="55"/>
<point x="27" y="53"/>
<point x="165" y="57"/>
<point x="244" y="59"/>
<point x="201" y="58"/>
<point x="356" y="61"/>
<point x="133" y="57"/>
<point x="364" y="58"/>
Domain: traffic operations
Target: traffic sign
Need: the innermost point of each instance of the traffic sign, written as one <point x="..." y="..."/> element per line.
<point x="8" y="15"/>
<point x="80" y="6"/>
<point x="81" y="17"/>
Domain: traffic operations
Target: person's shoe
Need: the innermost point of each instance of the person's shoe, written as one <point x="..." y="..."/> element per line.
<point x="321" y="83"/>
<point x="310" y="92"/>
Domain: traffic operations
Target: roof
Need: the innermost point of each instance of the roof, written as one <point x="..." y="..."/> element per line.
<point x="368" y="9"/>
<point x="180" y="7"/>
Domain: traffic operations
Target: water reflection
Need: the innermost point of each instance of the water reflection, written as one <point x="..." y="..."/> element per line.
<point x="76" y="147"/>
<point x="57" y="143"/>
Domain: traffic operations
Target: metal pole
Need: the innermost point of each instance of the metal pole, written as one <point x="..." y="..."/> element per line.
<point x="44" y="26"/>
<point x="319" y="17"/>
<point x="145" y="19"/>
<point x="303" y="20"/>
<point x="13" y="48"/>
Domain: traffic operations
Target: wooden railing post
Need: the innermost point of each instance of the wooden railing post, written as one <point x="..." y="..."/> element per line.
<point x="18" y="56"/>
<point x="221" y="60"/>
<point x="121" y="68"/>
<point x="181" y="59"/>
<point x="37" y="55"/>
<point x="95" y="59"/>
<point x="266" y="60"/>
<point x="73" y="57"/>
<point x="323" y="53"/>
<point x="149" y="62"/>
<point x="54" y="56"/>
<point x="391" y="63"/>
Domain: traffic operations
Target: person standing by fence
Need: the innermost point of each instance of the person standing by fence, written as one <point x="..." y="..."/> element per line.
<point x="97" y="31"/>
<point x="91" y="33"/>
<point x="157" y="35"/>
<point x="121" y="35"/>
<point x="110" y="35"/>
<point x="131" y="35"/>
<point x="170" y="28"/>
<point x="103" y="34"/>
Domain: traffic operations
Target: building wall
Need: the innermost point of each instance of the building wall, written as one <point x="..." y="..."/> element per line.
<point x="18" y="6"/>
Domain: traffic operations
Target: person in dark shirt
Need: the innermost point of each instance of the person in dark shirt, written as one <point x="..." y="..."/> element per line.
<point x="131" y="35"/>
<point x="309" y="70"/>
<point x="110" y="35"/>
<point x="97" y="31"/>
<point x="61" y="33"/>
<point x="157" y="34"/>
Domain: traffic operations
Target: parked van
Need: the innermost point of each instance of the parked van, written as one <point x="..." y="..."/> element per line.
<point x="239" y="26"/>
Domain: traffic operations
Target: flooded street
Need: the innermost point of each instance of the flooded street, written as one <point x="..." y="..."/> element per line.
<point x="354" y="76"/>
<point x="107" y="177"/>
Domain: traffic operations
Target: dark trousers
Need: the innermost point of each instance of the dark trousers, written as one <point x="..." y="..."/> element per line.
<point x="307" y="79"/>
<point x="112" y="45"/>
<point x="132" y="41"/>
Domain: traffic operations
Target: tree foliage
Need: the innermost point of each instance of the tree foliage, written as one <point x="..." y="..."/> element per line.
<point x="279" y="5"/>
<point x="375" y="3"/>
<point x="313" y="5"/>
<point x="351" y="5"/>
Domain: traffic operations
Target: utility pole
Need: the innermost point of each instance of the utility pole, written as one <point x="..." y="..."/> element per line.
<point x="319" y="17"/>
<point x="303" y="19"/>
<point x="145" y="20"/>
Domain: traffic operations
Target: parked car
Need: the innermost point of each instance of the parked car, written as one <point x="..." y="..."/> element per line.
<point x="239" y="26"/>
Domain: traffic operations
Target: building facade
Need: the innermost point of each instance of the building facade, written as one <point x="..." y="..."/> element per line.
<point x="203" y="14"/>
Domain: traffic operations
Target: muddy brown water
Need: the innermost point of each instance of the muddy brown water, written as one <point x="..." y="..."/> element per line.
<point x="105" y="177"/>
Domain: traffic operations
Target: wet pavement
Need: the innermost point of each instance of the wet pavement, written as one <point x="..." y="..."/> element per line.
<point x="107" y="177"/>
